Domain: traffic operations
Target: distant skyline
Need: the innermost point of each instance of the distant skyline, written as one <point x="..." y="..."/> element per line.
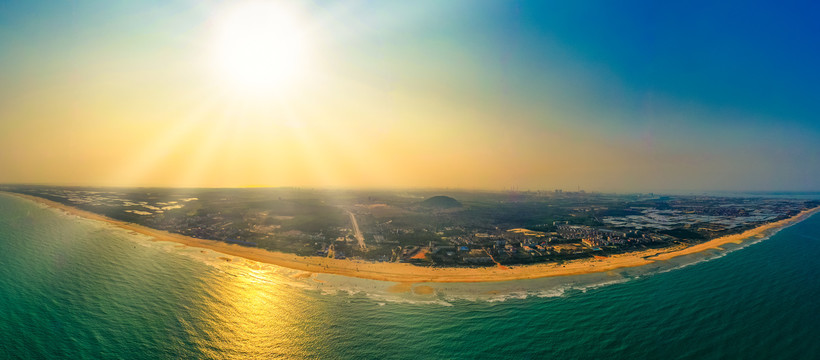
<point x="635" y="96"/>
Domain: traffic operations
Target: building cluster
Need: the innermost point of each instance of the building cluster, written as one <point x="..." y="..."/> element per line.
<point x="595" y="238"/>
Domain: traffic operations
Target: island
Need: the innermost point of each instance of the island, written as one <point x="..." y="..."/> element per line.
<point x="414" y="236"/>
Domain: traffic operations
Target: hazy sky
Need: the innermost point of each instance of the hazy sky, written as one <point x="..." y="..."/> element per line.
<point x="608" y="96"/>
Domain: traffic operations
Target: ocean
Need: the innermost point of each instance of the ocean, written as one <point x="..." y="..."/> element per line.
<point x="78" y="289"/>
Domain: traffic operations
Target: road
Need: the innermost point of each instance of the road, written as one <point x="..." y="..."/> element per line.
<point x="356" y="232"/>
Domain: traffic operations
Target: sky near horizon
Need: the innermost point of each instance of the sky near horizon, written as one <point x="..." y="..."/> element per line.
<point x="605" y="96"/>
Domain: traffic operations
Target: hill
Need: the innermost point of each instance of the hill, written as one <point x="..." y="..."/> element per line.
<point x="441" y="202"/>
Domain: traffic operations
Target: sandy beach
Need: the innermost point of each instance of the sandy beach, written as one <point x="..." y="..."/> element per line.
<point x="410" y="274"/>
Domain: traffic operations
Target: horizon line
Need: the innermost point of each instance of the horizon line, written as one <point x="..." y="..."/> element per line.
<point x="424" y="188"/>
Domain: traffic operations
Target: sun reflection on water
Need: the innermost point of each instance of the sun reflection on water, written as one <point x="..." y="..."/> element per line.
<point x="252" y="313"/>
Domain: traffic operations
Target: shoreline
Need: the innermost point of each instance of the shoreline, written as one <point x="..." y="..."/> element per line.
<point x="407" y="273"/>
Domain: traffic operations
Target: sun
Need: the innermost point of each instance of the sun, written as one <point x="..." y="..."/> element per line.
<point x="260" y="47"/>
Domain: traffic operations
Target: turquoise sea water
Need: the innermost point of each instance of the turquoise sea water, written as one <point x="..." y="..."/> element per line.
<point x="75" y="288"/>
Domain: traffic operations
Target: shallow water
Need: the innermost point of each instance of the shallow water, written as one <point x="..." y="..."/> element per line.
<point x="76" y="288"/>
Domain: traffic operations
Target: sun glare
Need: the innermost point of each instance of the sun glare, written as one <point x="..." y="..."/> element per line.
<point x="260" y="47"/>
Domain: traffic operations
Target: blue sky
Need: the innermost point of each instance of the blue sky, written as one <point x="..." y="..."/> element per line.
<point x="757" y="57"/>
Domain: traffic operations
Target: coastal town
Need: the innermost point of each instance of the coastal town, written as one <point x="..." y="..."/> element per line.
<point x="426" y="228"/>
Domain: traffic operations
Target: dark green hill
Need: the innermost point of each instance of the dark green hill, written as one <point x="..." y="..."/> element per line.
<point x="441" y="202"/>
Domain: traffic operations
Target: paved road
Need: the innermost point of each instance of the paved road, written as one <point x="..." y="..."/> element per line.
<point x="356" y="232"/>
